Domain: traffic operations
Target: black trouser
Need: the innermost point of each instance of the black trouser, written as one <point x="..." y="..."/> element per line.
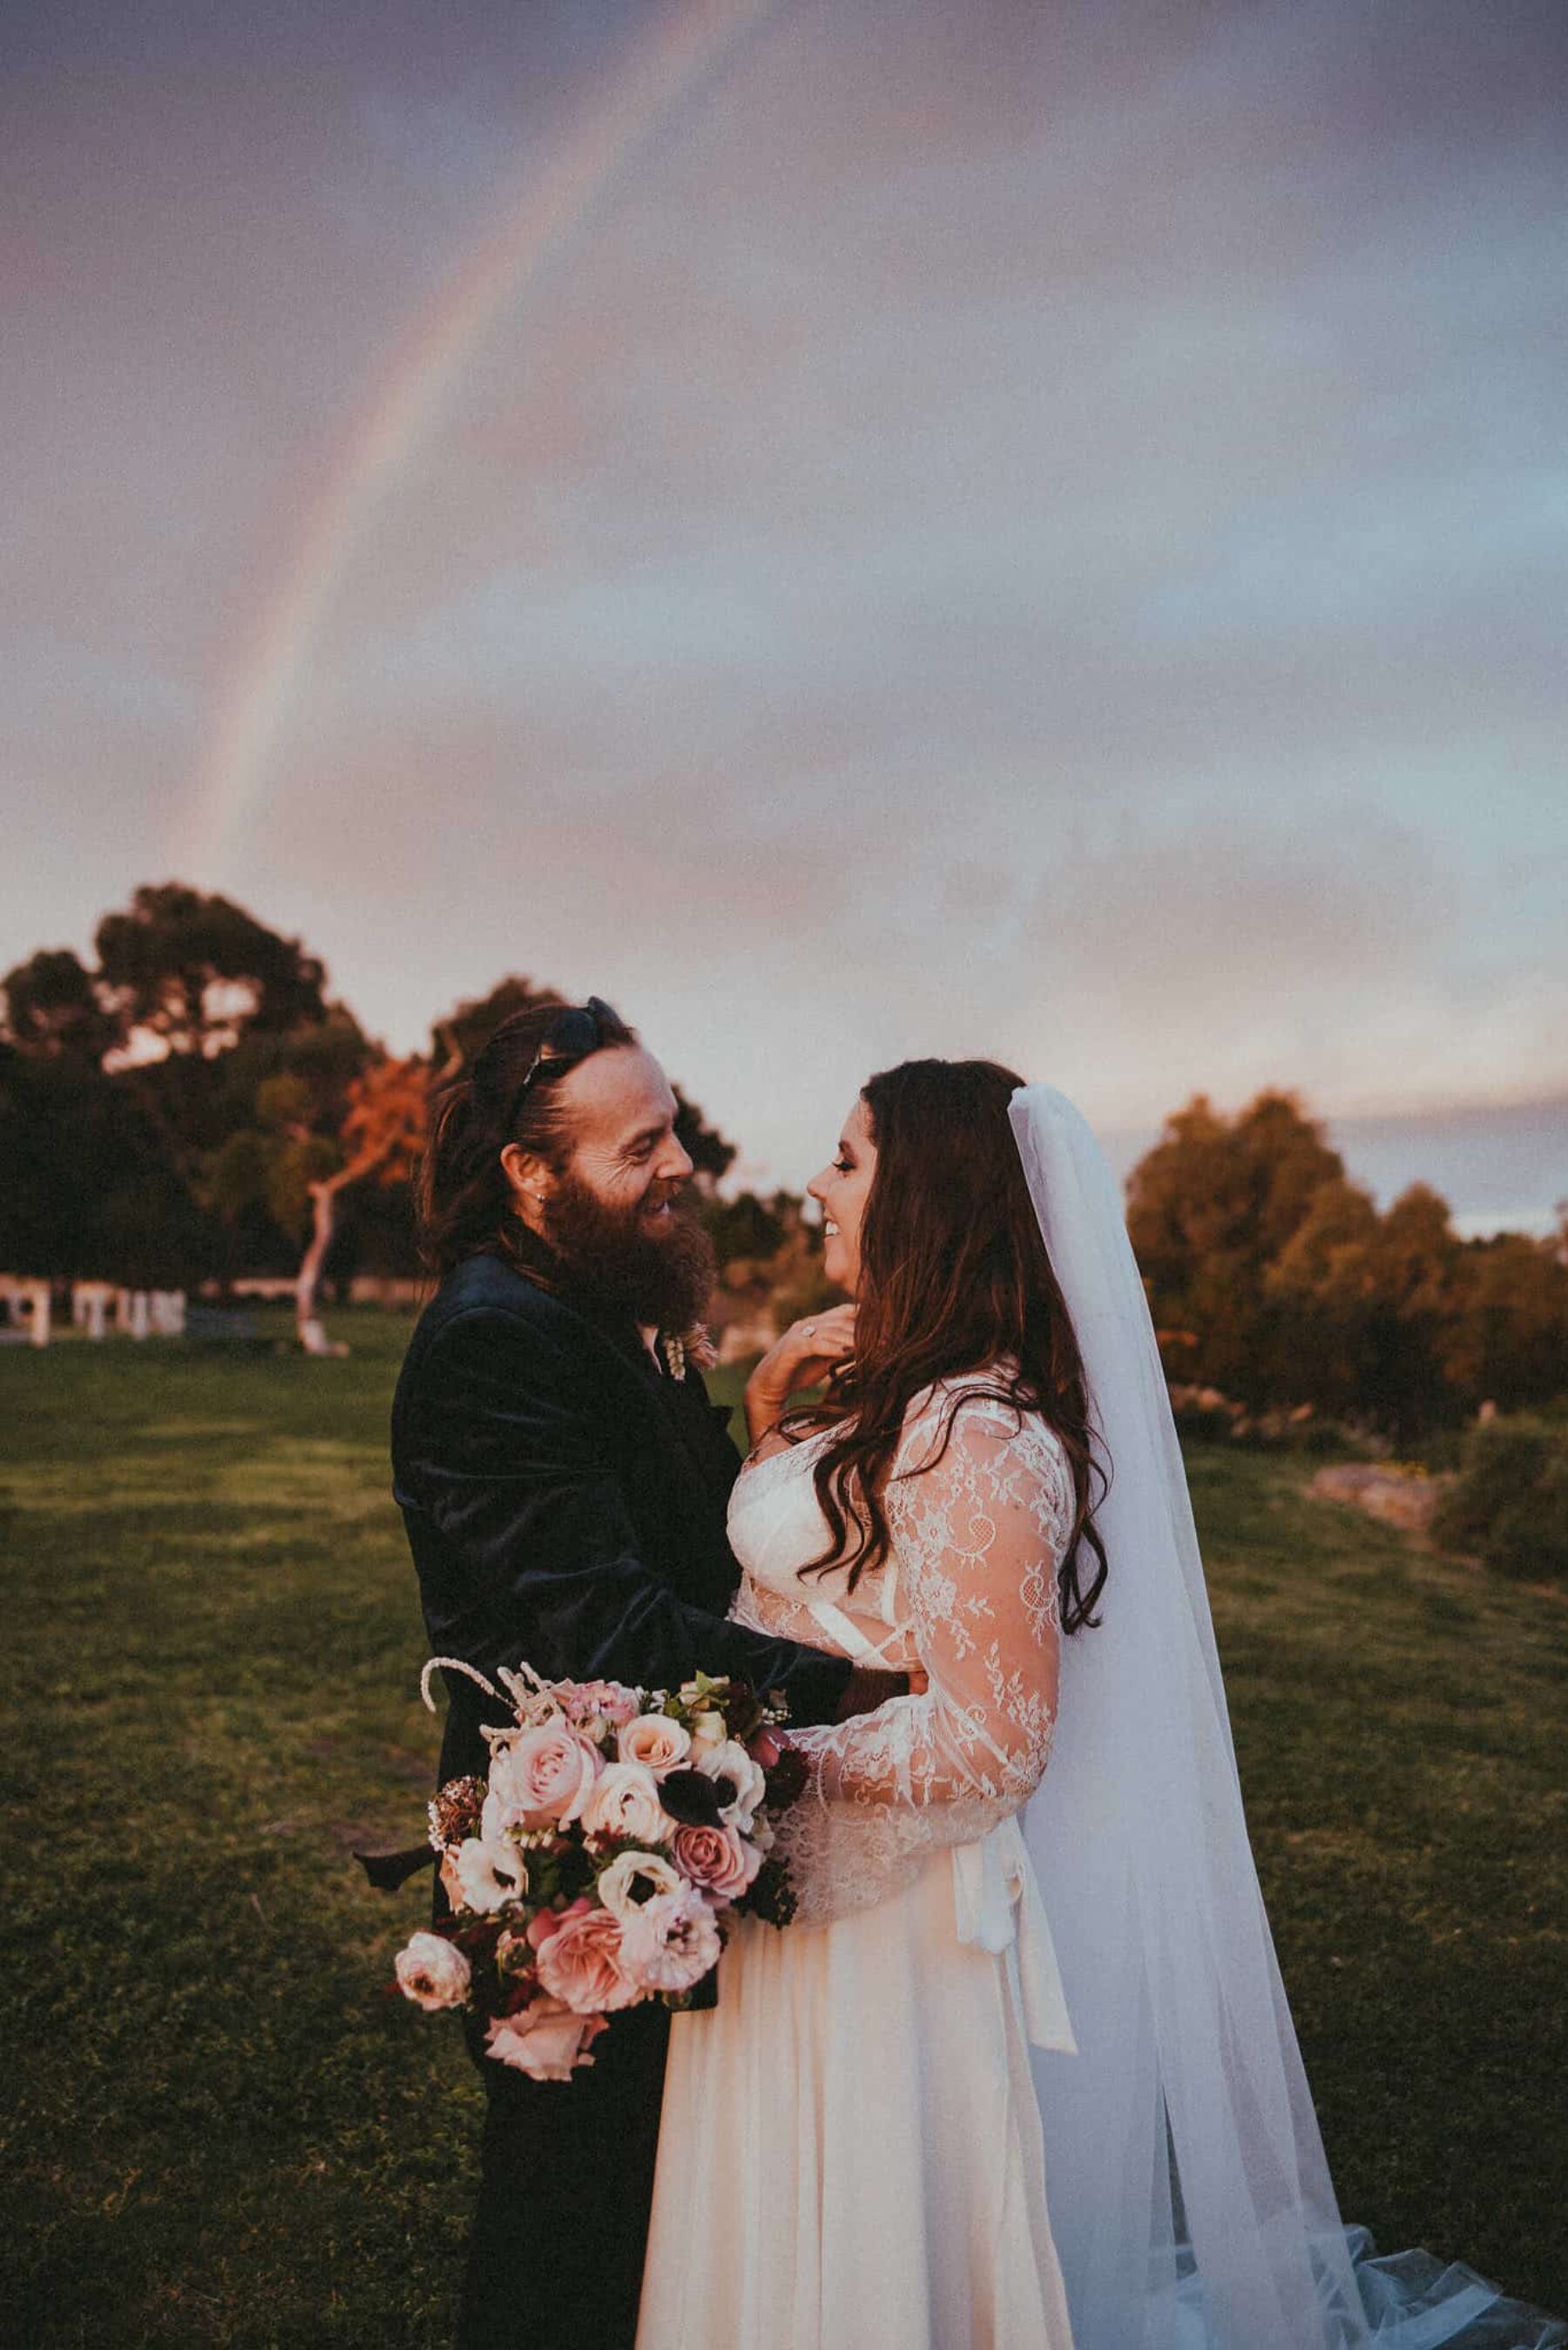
<point x="564" y="2193"/>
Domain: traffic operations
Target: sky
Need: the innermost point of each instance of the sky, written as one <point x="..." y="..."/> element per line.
<point x="852" y="529"/>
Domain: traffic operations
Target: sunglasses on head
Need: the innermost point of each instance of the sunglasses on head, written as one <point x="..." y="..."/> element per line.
<point x="571" y="1037"/>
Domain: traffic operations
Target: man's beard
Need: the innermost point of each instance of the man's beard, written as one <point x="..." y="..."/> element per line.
<point x="661" y="1279"/>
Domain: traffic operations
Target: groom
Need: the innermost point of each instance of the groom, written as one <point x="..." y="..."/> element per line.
<point x="563" y="1478"/>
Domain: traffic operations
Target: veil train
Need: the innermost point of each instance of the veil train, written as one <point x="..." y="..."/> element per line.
<point x="1191" y="2197"/>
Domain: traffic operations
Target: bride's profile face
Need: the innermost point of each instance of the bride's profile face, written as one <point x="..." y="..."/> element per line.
<point x="841" y="1191"/>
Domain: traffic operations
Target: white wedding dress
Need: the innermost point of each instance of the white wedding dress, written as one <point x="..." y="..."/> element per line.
<point x="850" y="2154"/>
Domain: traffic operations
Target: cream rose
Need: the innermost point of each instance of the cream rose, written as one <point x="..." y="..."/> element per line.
<point x="732" y="1762"/>
<point x="546" y="2040"/>
<point x="580" y="1964"/>
<point x="488" y="1875"/>
<point x="544" y="1779"/>
<point x="625" y="1802"/>
<point x="432" y="1973"/>
<point x="709" y="1731"/>
<point x="718" y="1859"/>
<point x="634" y="1878"/>
<point x="655" y="1741"/>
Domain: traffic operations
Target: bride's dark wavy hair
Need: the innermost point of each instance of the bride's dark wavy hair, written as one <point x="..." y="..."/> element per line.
<point x="955" y="1283"/>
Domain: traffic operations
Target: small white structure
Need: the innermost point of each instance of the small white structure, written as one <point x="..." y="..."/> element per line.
<point x="131" y="1318"/>
<point x="41" y="1299"/>
<point x="28" y="1307"/>
<point x="166" y="1313"/>
<point x="91" y="1301"/>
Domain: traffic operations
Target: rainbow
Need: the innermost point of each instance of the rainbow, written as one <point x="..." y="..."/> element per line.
<point x="683" y="53"/>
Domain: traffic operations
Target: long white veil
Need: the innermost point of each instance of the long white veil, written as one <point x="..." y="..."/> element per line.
<point x="1190" y="2198"/>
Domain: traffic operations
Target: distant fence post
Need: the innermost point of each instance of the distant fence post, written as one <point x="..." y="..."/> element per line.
<point x="40" y="1301"/>
<point x="167" y="1308"/>
<point x="90" y="1301"/>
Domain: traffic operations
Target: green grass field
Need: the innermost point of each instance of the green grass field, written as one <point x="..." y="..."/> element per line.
<point x="220" y="2128"/>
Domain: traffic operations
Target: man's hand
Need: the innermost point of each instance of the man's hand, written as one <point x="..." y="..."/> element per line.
<point x="867" y="1687"/>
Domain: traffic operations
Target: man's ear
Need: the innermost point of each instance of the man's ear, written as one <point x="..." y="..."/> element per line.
<point x="530" y="1182"/>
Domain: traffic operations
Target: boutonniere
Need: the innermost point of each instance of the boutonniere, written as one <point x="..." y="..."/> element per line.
<point x="683" y="1347"/>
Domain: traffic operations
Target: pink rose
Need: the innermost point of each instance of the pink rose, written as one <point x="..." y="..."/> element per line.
<point x="545" y="1922"/>
<point x="545" y="1777"/>
<point x="625" y="1802"/>
<point x="586" y="1701"/>
<point x="544" y="2040"/>
<point x="655" y="1741"/>
<point x="673" y="1942"/>
<point x="432" y="1973"/>
<point x="580" y="1964"/>
<point x="718" y="1859"/>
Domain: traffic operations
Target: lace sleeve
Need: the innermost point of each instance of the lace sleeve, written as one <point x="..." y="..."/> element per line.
<point x="977" y="1537"/>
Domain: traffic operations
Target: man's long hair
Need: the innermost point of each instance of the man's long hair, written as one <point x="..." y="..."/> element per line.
<point x="955" y="1283"/>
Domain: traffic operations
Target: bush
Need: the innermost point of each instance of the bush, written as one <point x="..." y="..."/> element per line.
<point x="1530" y="1536"/>
<point x="1509" y="1503"/>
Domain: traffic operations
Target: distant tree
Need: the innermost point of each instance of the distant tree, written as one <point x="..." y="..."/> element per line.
<point x="1405" y="1267"/>
<point x="88" y="1191"/>
<point x="194" y="972"/>
<point x="1319" y="1283"/>
<point x="462" y="1035"/>
<point x="746" y="1229"/>
<point x="381" y="1137"/>
<point x="304" y="1153"/>
<point x="1210" y="1209"/>
<point x="54" y="1008"/>
<point x="1508" y="1342"/>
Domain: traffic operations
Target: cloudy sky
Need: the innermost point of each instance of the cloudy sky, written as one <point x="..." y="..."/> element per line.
<point x="850" y="528"/>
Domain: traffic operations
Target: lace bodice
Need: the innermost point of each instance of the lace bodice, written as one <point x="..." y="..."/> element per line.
<point x="969" y="1591"/>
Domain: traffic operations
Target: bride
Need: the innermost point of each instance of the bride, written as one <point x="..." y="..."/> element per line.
<point x="1021" y="2075"/>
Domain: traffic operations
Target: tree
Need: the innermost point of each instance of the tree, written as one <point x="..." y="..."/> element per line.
<point x="1210" y="1209"/>
<point x="193" y="974"/>
<point x="1508" y="1342"/>
<point x="382" y="1136"/>
<point x="302" y="1155"/>
<point x="54" y="1008"/>
<point x="88" y="1191"/>
<point x="463" y="1034"/>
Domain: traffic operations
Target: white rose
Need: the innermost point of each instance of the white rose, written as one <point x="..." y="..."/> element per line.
<point x="732" y="1762"/>
<point x="432" y="1973"/>
<point x="489" y="1874"/>
<point x="656" y="1742"/>
<point x="634" y="1878"/>
<point x="625" y="1802"/>
<point x="709" y="1731"/>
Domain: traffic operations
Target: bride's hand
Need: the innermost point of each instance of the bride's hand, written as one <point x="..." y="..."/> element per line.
<point x="807" y="1352"/>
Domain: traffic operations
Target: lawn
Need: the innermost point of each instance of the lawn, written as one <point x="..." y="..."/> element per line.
<point x="221" y="2129"/>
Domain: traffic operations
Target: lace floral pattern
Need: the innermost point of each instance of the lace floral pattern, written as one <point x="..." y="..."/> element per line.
<point x="976" y="1539"/>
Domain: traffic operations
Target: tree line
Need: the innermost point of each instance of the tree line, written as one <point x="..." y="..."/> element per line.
<point x="193" y="1105"/>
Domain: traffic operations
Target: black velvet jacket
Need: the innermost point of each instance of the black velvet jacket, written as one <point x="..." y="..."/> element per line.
<point x="565" y="1503"/>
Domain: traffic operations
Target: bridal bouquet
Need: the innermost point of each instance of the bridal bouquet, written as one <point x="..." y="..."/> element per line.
<point x="598" y="1864"/>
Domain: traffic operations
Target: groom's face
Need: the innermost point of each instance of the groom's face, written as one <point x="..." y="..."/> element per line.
<point x="623" y="1147"/>
<point x="608" y="1210"/>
